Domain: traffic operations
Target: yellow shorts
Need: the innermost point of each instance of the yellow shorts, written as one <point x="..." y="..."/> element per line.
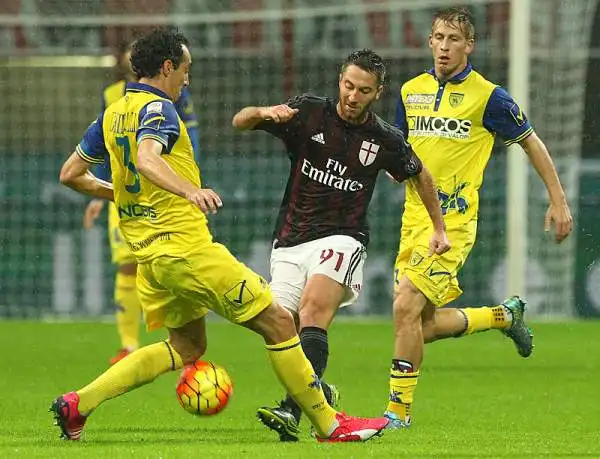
<point x="173" y="291"/>
<point x="435" y="276"/>
<point x="119" y="249"/>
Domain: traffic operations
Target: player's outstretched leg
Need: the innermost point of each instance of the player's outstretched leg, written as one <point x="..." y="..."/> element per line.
<point x="297" y="376"/>
<point x="185" y="345"/>
<point x="507" y="317"/>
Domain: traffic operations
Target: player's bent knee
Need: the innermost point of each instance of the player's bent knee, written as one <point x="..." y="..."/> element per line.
<point x="275" y="324"/>
<point x="408" y="303"/>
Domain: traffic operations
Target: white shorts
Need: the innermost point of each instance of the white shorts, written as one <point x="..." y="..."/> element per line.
<point x="339" y="257"/>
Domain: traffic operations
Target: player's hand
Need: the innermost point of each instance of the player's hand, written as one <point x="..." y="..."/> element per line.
<point x="92" y="212"/>
<point x="205" y="199"/>
<point x="439" y="243"/>
<point x="560" y="214"/>
<point x="279" y="113"/>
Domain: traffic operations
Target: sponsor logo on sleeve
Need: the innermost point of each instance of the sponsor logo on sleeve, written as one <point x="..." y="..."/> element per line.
<point x="154" y="107"/>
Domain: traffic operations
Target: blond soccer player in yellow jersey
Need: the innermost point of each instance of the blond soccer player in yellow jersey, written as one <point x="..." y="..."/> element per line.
<point x="451" y="115"/>
<point x="126" y="300"/>
<point x="182" y="273"/>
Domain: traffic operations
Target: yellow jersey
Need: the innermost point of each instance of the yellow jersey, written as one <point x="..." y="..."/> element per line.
<point x="153" y="221"/>
<point x="451" y="126"/>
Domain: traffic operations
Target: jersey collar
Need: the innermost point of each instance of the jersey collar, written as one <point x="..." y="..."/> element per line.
<point x="141" y="87"/>
<point x="458" y="78"/>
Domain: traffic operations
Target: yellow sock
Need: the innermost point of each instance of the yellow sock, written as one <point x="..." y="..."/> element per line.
<point x="484" y="318"/>
<point x="137" y="369"/>
<point x="402" y="387"/>
<point x="129" y="311"/>
<point x="300" y="381"/>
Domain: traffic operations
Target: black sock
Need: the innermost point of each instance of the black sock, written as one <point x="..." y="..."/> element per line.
<point x="316" y="348"/>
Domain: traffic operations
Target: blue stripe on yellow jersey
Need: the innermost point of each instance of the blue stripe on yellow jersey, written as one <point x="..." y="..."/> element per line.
<point x="184" y="107"/>
<point x="153" y="221"/>
<point x="452" y="126"/>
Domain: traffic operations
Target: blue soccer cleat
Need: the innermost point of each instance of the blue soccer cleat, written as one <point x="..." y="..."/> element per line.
<point x="395" y="422"/>
<point x="518" y="332"/>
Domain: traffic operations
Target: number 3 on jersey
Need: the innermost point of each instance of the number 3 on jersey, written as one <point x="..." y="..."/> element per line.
<point x="124" y="143"/>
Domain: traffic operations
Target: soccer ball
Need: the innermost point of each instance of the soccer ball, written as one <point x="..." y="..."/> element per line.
<point x="204" y="388"/>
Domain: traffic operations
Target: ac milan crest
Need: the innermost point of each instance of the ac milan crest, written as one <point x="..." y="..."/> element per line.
<point x="368" y="152"/>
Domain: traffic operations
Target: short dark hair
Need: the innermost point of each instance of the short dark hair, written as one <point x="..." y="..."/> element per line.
<point x="149" y="52"/>
<point x="367" y="60"/>
<point x="460" y="15"/>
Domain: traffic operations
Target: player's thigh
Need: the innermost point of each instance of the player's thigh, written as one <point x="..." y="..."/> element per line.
<point x="162" y="307"/>
<point x="213" y="278"/>
<point x="405" y="248"/>
<point x="119" y="250"/>
<point x="288" y="277"/>
<point x="341" y="259"/>
<point x="436" y="276"/>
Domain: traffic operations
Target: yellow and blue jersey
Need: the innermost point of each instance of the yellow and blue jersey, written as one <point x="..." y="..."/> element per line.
<point x="184" y="107"/>
<point x="153" y="221"/>
<point x="452" y="126"/>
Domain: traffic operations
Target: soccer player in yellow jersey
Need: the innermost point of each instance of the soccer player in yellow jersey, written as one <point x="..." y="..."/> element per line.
<point x="451" y="115"/>
<point x="181" y="272"/>
<point x="125" y="294"/>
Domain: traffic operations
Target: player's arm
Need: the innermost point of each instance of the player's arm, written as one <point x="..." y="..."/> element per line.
<point x="503" y="115"/>
<point x="75" y="172"/>
<point x="403" y="164"/>
<point x="76" y="175"/>
<point x="250" y="117"/>
<point x="157" y="133"/>
<point x="559" y="211"/>
<point x="152" y="166"/>
<point x="425" y="186"/>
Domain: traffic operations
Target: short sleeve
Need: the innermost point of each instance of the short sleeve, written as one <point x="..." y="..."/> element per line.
<point x="402" y="162"/>
<point x="91" y="148"/>
<point x="503" y="116"/>
<point x="158" y="120"/>
<point x="289" y="129"/>
<point x="401" y="122"/>
<point x="103" y="171"/>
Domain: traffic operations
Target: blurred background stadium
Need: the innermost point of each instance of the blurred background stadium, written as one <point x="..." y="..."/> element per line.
<point x="57" y="55"/>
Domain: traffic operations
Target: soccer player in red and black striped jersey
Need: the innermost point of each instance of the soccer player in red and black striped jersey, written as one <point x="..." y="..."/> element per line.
<point x="337" y="149"/>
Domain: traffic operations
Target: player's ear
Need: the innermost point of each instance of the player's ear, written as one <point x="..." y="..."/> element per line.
<point x="431" y="41"/>
<point x="470" y="46"/>
<point x="167" y="67"/>
<point x="379" y="92"/>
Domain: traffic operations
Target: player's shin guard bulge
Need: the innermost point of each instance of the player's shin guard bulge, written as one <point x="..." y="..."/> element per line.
<point x="299" y="379"/>
<point x="135" y="370"/>
<point x="402" y="387"/>
<point x="484" y="318"/>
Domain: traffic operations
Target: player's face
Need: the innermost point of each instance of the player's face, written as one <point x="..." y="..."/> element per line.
<point x="450" y="48"/>
<point x="358" y="90"/>
<point x="178" y="78"/>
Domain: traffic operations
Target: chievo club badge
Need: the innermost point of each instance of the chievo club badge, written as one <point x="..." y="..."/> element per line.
<point x="455" y="99"/>
<point x="368" y="152"/>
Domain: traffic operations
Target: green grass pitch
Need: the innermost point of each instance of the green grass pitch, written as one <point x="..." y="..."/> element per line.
<point x="476" y="396"/>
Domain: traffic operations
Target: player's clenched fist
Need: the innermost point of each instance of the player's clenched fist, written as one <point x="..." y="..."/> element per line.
<point x="205" y="199"/>
<point x="278" y="113"/>
<point x="439" y="243"/>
